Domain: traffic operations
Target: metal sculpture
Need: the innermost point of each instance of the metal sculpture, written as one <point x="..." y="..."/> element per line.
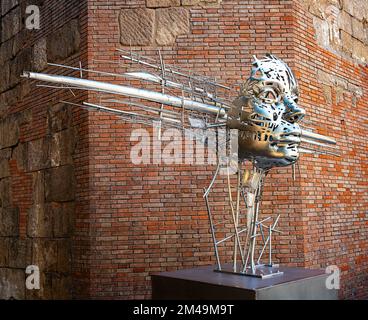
<point x="265" y="114"/>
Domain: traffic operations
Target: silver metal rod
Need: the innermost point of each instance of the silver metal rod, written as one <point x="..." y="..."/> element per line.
<point x="128" y="91"/>
<point x="316" y="136"/>
<point x="170" y="69"/>
<point x="316" y="143"/>
<point x="213" y="234"/>
<point x="207" y="191"/>
<point x="146" y="76"/>
<point x="141" y="106"/>
<point x="229" y="237"/>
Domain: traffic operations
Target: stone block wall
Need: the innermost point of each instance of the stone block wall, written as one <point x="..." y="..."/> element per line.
<point x="38" y="143"/>
<point x="341" y="26"/>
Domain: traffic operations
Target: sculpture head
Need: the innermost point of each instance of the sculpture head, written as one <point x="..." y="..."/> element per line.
<point x="267" y="114"/>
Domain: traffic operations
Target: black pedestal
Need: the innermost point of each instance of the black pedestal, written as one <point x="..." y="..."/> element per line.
<point x="204" y="283"/>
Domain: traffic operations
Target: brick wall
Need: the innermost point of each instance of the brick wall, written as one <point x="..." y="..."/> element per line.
<point x="129" y="221"/>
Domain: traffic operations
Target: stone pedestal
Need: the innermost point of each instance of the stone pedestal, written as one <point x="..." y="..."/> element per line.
<point x="204" y="283"/>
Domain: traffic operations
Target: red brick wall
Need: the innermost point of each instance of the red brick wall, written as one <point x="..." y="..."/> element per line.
<point x="152" y="218"/>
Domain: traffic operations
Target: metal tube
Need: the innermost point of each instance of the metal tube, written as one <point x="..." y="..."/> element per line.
<point x="213" y="234"/>
<point x="128" y="91"/>
<point x="316" y="136"/>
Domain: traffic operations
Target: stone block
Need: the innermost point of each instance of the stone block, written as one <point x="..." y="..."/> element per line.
<point x="327" y="93"/>
<point x="9" y="132"/>
<point x="322" y="32"/>
<point x="5" y="193"/>
<point x="40" y="55"/>
<point x="45" y="255"/>
<point x="64" y="42"/>
<point x="60" y="184"/>
<point x="39" y="222"/>
<point x="19" y="253"/>
<point x="356" y="8"/>
<point x="5" y="155"/>
<point x="20" y="155"/>
<point x="162" y="3"/>
<point x="9" y="222"/>
<point x="6" y="51"/>
<point x="344" y="22"/>
<point x="38" y="154"/>
<point x="7" y="5"/>
<point x="62" y="147"/>
<point x="59" y="117"/>
<point x="4" y="77"/>
<point x="360" y="51"/>
<point x="346" y="42"/>
<point x="46" y="290"/>
<point x="170" y="23"/>
<point x="137" y="26"/>
<point x="359" y="32"/>
<point x="61" y="287"/>
<point x="4" y="252"/>
<point x="38" y="187"/>
<point x="4" y="169"/>
<point x="20" y="41"/>
<point x="63" y="218"/>
<point x="12" y="284"/>
<point x="64" y="256"/>
<point x="10" y="24"/>
<point x="22" y="62"/>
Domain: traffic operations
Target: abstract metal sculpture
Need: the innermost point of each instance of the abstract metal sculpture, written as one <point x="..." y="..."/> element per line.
<point x="265" y="114"/>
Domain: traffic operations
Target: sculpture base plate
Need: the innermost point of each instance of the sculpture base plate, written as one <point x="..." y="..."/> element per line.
<point x="203" y="283"/>
<point x="261" y="271"/>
